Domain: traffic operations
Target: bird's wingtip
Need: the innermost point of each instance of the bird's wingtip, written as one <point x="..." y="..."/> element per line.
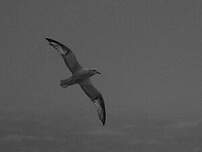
<point x="103" y="122"/>
<point x="99" y="103"/>
<point x="48" y="39"/>
<point x="51" y="41"/>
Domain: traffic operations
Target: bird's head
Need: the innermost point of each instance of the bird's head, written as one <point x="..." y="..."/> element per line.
<point x="94" y="71"/>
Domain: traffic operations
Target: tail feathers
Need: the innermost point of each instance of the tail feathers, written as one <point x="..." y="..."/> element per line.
<point x="64" y="83"/>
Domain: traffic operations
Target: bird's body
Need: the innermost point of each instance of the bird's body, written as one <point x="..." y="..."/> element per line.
<point x="76" y="78"/>
<point x="80" y="76"/>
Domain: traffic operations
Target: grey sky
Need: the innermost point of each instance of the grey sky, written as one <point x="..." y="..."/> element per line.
<point x="149" y="52"/>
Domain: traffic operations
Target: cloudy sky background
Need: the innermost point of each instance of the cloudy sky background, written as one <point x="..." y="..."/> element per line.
<point x="150" y="57"/>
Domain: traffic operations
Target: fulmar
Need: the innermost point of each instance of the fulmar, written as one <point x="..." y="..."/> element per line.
<point x="80" y="76"/>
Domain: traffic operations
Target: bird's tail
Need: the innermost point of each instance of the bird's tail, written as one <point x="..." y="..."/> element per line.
<point x="64" y="83"/>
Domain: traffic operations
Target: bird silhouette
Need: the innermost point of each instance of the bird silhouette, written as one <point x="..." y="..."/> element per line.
<point x="80" y="76"/>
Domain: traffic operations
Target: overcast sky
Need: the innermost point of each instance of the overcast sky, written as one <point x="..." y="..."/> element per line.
<point x="149" y="54"/>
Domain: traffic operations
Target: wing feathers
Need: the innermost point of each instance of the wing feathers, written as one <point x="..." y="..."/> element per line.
<point x="68" y="56"/>
<point x="99" y="103"/>
<point x="96" y="98"/>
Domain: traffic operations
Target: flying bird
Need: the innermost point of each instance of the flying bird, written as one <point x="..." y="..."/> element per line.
<point x="80" y="76"/>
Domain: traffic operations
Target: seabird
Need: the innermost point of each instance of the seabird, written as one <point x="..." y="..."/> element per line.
<point x="80" y="76"/>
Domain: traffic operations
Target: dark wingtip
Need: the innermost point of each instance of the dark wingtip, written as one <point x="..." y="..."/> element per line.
<point x="48" y="39"/>
<point x="103" y="122"/>
<point x="104" y="112"/>
<point x="104" y="118"/>
<point x="54" y="41"/>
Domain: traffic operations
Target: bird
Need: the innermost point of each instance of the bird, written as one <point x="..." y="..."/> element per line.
<point x="80" y="76"/>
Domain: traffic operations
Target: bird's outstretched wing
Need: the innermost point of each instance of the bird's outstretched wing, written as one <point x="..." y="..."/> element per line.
<point x="67" y="54"/>
<point x="95" y="97"/>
